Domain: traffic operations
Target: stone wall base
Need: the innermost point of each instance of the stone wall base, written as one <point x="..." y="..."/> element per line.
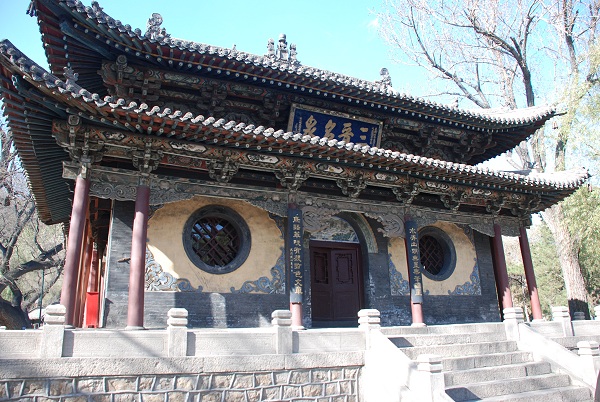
<point x="334" y="384"/>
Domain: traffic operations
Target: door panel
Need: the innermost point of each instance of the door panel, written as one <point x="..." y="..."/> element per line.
<point x="335" y="282"/>
<point x="321" y="286"/>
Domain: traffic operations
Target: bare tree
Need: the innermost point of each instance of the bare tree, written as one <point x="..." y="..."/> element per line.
<point x="26" y="245"/>
<point x="500" y="53"/>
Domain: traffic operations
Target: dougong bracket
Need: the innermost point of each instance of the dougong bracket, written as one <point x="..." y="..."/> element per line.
<point x="223" y="170"/>
<point x="146" y="160"/>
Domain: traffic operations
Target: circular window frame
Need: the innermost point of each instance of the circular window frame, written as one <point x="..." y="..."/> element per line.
<point x="232" y="218"/>
<point x="449" y="253"/>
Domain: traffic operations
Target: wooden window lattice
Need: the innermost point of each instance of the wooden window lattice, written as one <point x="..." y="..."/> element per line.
<point x="432" y="254"/>
<point x="215" y="240"/>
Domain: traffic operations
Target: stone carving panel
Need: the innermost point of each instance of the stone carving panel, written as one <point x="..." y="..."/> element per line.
<point x="473" y="286"/>
<point x="316" y="218"/>
<point x="398" y="285"/>
<point x="275" y="284"/>
<point x="157" y="279"/>
<point x="393" y="225"/>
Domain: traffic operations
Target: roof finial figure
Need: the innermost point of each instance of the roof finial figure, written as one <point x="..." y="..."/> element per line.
<point x="293" y="54"/>
<point x="270" y="48"/>
<point x="153" y="29"/>
<point x="282" y="53"/>
<point x="386" y="79"/>
<point x="31" y="11"/>
<point x="96" y="7"/>
<point x="70" y="77"/>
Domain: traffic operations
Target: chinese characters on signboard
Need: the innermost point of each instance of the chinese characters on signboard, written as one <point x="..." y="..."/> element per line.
<point x="296" y="254"/>
<point x="333" y="125"/>
<point x="414" y="262"/>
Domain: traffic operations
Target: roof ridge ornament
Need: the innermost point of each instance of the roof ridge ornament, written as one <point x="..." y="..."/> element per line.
<point x="153" y="29"/>
<point x="282" y="53"/>
<point x="31" y="10"/>
<point x="70" y="77"/>
<point x="386" y="79"/>
<point x="98" y="11"/>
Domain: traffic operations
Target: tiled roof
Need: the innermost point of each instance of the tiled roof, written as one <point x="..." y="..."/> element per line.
<point x="185" y="55"/>
<point x="144" y="119"/>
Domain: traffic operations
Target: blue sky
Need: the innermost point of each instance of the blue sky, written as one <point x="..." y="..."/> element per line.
<point x="333" y="35"/>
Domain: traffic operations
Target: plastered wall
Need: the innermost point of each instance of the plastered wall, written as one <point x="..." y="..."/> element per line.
<point x="463" y="280"/>
<point x="165" y="242"/>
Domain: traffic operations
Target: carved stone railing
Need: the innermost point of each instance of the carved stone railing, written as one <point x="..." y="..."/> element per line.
<point x="56" y="340"/>
<point x="546" y="339"/>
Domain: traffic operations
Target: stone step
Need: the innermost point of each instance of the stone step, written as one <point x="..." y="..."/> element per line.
<point x="571" y="393"/>
<point x="462" y="349"/>
<point x="497" y="388"/>
<point x="488" y="360"/>
<point x="445" y="329"/>
<point x="445" y="339"/>
<point x="458" y="377"/>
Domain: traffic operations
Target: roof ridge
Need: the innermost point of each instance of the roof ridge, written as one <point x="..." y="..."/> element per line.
<point x="96" y="12"/>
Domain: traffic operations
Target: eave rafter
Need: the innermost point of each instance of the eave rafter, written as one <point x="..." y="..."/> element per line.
<point x="93" y="33"/>
<point x="223" y="163"/>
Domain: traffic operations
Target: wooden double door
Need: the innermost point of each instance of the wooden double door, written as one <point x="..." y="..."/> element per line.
<point x="336" y="283"/>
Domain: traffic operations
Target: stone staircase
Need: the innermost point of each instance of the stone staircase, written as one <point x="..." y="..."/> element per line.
<point x="480" y="364"/>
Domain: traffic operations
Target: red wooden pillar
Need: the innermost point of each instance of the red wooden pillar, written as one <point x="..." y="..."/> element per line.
<point x="135" y="308"/>
<point x="92" y="295"/>
<point x="93" y="281"/>
<point x="84" y="272"/>
<point x="500" y="268"/>
<point x="536" y="308"/>
<point x="296" y="310"/>
<point x="68" y="293"/>
<point x="416" y="310"/>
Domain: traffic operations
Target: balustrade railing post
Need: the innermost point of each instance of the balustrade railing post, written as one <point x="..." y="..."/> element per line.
<point x="177" y="332"/>
<point x="53" y="331"/>
<point x="513" y="316"/>
<point x="431" y="384"/>
<point x="561" y="314"/>
<point x="282" y="322"/>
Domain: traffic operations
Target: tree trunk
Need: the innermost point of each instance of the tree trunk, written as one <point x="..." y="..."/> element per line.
<point x="12" y="317"/>
<point x="568" y="259"/>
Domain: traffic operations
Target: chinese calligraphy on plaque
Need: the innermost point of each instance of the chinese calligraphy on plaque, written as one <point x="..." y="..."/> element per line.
<point x="296" y="255"/>
<point x="334" y="125"/>
<point x="414" y="262"/>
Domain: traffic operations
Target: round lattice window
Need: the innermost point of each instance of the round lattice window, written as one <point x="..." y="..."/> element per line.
<point x="216" y="239"/>
<point x="438" y="256"/>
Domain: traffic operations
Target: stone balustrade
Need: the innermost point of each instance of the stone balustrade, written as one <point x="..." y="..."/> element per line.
<point x="275" y="363"/>
<point x="55" y="340"/>
<point x="554" y="341"/>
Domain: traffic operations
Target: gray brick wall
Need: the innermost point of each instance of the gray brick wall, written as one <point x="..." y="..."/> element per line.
<point x="254" y="310"/>
<point x="206" y="310"/>
<point x="395" y="310"/>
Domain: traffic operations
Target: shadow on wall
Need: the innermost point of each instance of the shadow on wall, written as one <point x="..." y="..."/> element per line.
<point x="222" y="310"/>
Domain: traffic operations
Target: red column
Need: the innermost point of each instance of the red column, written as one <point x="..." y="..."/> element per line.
<point x="500" y="268"/>
<point x="84" y="272"/>
<point x="296" y="310"/>
<point x="135" y="308"/>
<point x="416" y="310"/>
<point x="68" y="293"/>
<point x="93" y="281"/>
<point x="536" y="308"/>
